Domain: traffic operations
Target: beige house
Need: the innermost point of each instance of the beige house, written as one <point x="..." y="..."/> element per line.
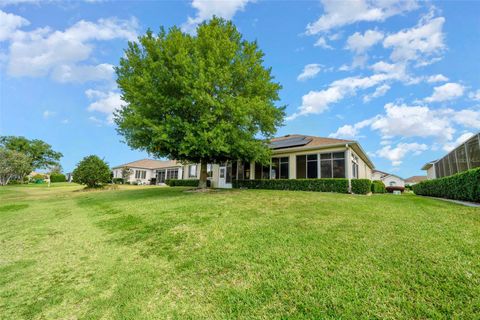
<point x="293" y="157"/>
<point x="390" y="180"/>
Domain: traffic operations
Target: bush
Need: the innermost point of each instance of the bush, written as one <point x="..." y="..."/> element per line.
<point x="117" y="180"/>
<point x="378" y="186"/>
<point x="14" y="182"/>
<point x="361" y="186"/>
<point x="461" y="186"/>
<point x="184" y="182"/>
<point x="57" y="177"/>
<point x="38" y="177"/>
<point x="339" y="185"/>
<point x="390" y="189"/>
<point x="92" y="171"/>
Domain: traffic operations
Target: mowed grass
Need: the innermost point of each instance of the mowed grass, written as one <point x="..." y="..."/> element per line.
<point x="164" y="253"/>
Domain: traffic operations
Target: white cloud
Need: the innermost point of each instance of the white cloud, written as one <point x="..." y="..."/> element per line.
<point x="467" y="117"/>
<point x="9" y="23"/>
<point x="422" y="43"/>
<point x="359" y="43"/>
<point x="105" y="102"/>
<point x="349" y="131"/>
<point x="437" y="78"/>
<point x="379" y="91"/>
<point x="309" y="71"/>
<point x="446" y="92"/>
<point x="341" y="13"/>
<point x="47" y="114"/>
<point x="5" y="3"/>
<point x="452" y="145"/>
<point x="46" y="52"/>
<point x="475" y="95"/>
<point x="396" y="154"/>
<point x="322" y="43"/>
<point x="65" y="121"/>
<point x="206" y="9"/>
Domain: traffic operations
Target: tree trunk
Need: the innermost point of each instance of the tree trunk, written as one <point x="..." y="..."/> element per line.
<point x="202" y="183"/>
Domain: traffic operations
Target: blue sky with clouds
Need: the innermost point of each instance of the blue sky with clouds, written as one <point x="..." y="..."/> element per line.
<point x="400" y="77"/>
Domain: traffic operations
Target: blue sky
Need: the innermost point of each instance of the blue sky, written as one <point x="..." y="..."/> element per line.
<point x="402" y="78"/>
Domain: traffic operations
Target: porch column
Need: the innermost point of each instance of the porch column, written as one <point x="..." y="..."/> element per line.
<point x="348" y="170"/>
<point x="252" y="170"/>
<point x="292" y="166"/>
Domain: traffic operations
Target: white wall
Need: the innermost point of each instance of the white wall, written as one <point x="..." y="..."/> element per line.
<point x="431" y="173"/>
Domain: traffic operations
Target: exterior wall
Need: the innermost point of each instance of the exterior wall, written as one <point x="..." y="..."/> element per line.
<point x="364" y="171"/>
<point x="431" y="173"/>
<point x="388" y="179"/>
<point x="150" y="173"/>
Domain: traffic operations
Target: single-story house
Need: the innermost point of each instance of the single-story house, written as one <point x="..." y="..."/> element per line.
<point x="464" y="157"/>
<point x="414" y="180"/>
<point x="293" y="157"/>
<point x="390" y="180"/>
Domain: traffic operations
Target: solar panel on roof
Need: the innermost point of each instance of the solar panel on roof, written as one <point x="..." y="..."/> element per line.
<point x="291" y="142"/>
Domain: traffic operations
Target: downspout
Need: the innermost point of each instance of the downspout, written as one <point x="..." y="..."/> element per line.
<point x="347" y="168"/>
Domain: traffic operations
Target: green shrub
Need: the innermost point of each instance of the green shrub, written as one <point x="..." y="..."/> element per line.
<point x="14" y="182"/>
<point x="38" y="177"/>
<point x="378" y="186"/>
<point x="339" y="185"/>
<point x="361" y="186"/>
<point x="390" y="189"/>
<point x="92" y="171"/>
<point x="461" y="186"/>
<point x="57" y="177"/>
<point x="118" y="180"/>
<point x="183" y="182"/>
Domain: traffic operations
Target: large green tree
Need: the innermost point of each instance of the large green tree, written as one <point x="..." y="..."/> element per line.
<point x="13" y="164"/>
<point x="40" y="153"/>
<point x="92" y="171"/>
<point x="203" y="98"/>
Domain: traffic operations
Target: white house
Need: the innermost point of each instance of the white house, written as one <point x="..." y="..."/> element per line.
<point x="390" y="180"/>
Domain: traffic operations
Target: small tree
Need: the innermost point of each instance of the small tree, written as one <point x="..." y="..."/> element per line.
<point x="202" y="99"/>
<point x="92" y="171"/>
<point x="13" y="164"/>
<point x="126" y="173"/>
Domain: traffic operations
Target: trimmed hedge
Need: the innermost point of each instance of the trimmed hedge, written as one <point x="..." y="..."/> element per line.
<point x="57" y="177"/>
<point x="390" y="189"/>
<point x="339" y="185"/>
<point x="184" y="182"/>
<point x="361" y="186"/>
<point x="378" y="186"/>
<point x="461" y="186"/>
<point x="118" y="181"/>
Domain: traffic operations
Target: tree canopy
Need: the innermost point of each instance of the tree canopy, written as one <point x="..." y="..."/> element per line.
<point x="13" y="164"/>
<point x="40" y="153"/>
<point x="92" y="171"/>
<point x="203" y="98"/>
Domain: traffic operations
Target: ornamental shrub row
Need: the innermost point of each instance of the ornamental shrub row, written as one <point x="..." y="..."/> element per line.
<point x="361" y="186"/>
<point x="461" y="186"/>
<point x="339" y="185"/>
<point x="378" y="186"/>
<point x="57" y="177"/>
<point x="183" y="182"/>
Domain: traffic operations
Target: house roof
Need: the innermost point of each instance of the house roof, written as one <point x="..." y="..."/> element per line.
<point x="428" y="165"/>
<point x="150" y="164"/>
<point x="303" y="142"/>
<point x="415" y="179"/>
<point x="384" y="174"/>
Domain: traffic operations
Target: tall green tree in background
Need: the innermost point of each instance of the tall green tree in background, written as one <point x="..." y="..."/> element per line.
<point x="203" y="98"/>
<point x="41" y="154"/>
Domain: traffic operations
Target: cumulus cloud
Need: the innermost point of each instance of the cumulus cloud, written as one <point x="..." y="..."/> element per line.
<point x="397" y="153"/>
<point x="9" y="23"/>
<point x="461" y="139"/>
<point x="474" y="95"/>
<point x="359" y="43"/>
<point x="342" y="13"/>
<point x="309" y="71"/>
<point x="206" y="9"/>
<point x="351" y="131"/>
<point x="379" y="91"/>
<point x="422" y="43"/>
<point x="437" y="78"/>
<point x="104" y="102"/>
<point x="322" y="43"/>
<point x="47" y="52"/>
<point x="446" y="92"/>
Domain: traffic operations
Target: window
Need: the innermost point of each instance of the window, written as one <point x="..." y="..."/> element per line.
<point x="473" y="152"/>
<point x="332" y="165"/>
<point x="354" y="166"/>
<point x="209" y="170"/>
<point x="307" y="166"/>
<point x="262" y="172"/>
<point x="243" y="170"/>
<point x="161" y="176"/>
<point x="172" y="173"/>
<point x="279" y="168"/>
<point x="140" y="174"/>
<point x="192" y="171"/>
<point x="393" y="183"/>
<point x="461" y="159"/>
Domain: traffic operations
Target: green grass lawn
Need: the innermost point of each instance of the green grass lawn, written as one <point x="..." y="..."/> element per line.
<point x="157" y="253"/>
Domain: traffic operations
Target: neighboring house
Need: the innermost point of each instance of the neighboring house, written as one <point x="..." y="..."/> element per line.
<point x="293" y="157"/>
<point x="464" y="157"/>
<point x="390" y="180"/>
<point x="414" y="180"/>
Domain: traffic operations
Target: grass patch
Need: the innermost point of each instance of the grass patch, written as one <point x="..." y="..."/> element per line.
<point x="143" y="252"/>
